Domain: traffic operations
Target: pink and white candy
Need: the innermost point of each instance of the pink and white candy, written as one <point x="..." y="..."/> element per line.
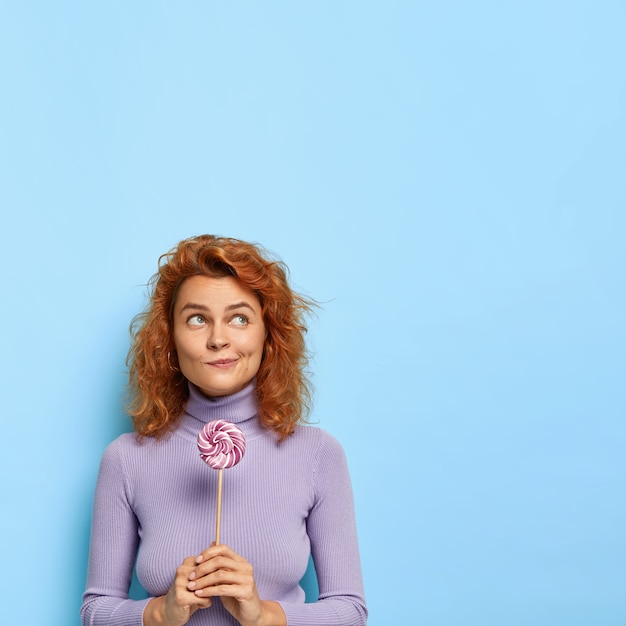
<point x="221" y="444"/>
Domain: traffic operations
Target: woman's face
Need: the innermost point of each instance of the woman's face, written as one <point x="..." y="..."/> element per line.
<point x="219" y="334"/>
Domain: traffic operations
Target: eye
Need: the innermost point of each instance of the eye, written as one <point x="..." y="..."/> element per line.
<point x="239" y="320"/>
<point x="196" y="320"/>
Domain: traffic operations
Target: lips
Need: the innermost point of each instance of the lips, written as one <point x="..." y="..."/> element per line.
<point x="222" y="362"/>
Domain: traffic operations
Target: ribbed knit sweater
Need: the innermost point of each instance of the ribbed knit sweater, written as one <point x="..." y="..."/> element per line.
<point x="155" y="505"/>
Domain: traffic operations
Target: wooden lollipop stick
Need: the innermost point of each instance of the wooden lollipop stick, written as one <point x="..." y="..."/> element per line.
<point x="221" y="445"/>
<point x="218" y="515"/>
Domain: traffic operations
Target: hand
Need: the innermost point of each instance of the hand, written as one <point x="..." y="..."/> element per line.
<point x="220" y="571"/>
<point x="175" y="608"/>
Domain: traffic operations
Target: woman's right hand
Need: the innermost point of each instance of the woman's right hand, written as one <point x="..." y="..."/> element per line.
<point x="175" y="608"/>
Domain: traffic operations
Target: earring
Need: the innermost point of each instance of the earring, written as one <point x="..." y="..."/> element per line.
<point x="169" y="363"/>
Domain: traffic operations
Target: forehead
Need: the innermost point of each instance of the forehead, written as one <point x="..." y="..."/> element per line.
<point x="215" y="292"/>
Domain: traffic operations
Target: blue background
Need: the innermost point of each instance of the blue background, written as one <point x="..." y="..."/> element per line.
<point x="447" y="178"/>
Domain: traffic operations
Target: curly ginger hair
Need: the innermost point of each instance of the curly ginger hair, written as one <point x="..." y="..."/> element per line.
<point x="157" y="388"/>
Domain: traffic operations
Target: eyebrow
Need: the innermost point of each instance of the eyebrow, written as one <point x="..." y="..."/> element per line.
<point x="204" y="307"/>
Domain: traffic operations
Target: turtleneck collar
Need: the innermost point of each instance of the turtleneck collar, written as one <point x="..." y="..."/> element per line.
<point x="240" y="408"/>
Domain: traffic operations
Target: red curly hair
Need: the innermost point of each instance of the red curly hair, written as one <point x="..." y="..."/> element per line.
<point x="158" y="390"/>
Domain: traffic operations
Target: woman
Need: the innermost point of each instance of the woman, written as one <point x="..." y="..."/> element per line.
<point x="222" y="338"/>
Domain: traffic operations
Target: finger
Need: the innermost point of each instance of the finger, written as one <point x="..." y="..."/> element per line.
<point x="180" y="595"/>
<point x="220" y="564"/>
<point x="220" y="550"/>
<point x="241" y="576"/>
<point x="240" y="590"/>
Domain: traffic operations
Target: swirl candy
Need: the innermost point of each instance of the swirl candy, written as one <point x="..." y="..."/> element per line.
<point x="221" y="444"/>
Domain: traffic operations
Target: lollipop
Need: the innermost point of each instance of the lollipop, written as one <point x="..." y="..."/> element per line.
<point x="221" y="445"/>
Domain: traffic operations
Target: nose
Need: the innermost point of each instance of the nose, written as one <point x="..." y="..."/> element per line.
<point x="217" y="338"/>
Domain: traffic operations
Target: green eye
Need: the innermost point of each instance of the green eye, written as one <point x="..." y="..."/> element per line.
<point x="196" y="320"/>
<point x="240" y="320"/>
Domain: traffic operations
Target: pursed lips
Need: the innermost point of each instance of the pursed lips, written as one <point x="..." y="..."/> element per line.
<point x="222" y="362"/>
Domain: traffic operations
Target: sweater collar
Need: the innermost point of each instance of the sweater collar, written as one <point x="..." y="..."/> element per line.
<point x="240" y="408"/>
<point x="235" y="408"/>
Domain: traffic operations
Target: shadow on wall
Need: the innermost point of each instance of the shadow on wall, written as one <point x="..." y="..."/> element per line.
<point x="309" y="583"/>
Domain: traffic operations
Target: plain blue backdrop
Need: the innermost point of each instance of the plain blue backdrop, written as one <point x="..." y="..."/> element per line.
<point x="448" y="179"/>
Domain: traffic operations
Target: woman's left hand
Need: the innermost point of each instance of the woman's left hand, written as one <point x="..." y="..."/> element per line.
<point x="221" y="572"/>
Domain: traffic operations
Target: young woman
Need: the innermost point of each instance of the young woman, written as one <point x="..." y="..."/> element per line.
<point x="222" y="338"/>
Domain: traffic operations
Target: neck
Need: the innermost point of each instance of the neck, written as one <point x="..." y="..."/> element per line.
<point x="240" y="408"/>
<point x="237" y="407"/>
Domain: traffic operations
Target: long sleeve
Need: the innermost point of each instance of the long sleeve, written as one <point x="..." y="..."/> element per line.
<point x="114" y="541"/>
<point x="332" y="531"/>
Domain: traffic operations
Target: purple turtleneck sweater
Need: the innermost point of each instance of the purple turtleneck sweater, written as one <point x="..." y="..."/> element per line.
<point x="155" y="503"/>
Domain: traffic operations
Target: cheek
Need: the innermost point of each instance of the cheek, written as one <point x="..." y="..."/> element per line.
<point x="185" y="345"/>
<point x="256" y="349"/>
<point x="260" y="346"/>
